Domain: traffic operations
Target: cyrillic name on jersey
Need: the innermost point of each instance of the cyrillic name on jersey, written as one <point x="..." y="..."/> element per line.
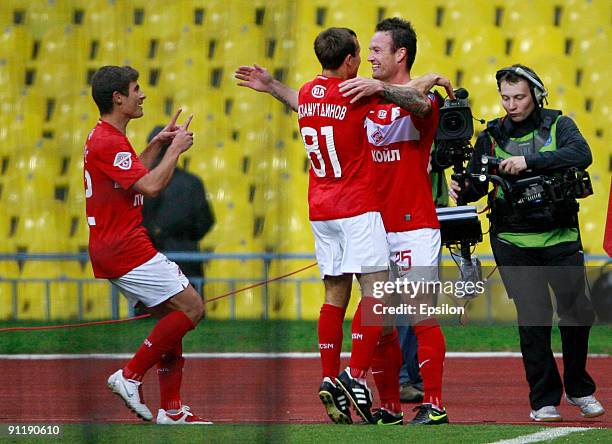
<point x="330" y="110"/>
<point x="386" y="155"/>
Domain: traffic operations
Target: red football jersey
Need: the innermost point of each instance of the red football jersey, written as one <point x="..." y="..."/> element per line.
<point x="341" y="182"/>
<point x="400" y="146"/>
<point x="118" y="242"/>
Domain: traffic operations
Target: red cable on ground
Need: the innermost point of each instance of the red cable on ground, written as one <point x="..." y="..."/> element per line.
<point x="116" y="321"/>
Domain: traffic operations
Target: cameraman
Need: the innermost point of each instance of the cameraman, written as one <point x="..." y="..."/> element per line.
<point x="533" y="141"/>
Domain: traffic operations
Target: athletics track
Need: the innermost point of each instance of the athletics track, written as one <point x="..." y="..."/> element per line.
<point x="231" y="389"/>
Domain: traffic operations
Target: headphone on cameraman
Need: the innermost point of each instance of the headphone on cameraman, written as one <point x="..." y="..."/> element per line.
<point x="538" y="92"/>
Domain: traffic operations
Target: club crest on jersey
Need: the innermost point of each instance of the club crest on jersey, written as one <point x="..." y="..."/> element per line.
<point x="318" y="91"/>
<point x="377" y="137"/>
<point x="382" y="114"/>
<point x="123" y="160"/>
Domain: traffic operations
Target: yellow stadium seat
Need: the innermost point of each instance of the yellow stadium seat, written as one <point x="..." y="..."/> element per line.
<point x="517" y="14"/>
<point x="489" y="43"/>
<point x="478" y="78"/>
<point x="296" y="296"/>
<point x="555" y="74"/>
<point x="589" y="45"/>
<point x="236" y="275"/>
<point x="31" y="301"/>
<point x="97" y="300"/>
<point x="64" y="44"/>
<point x="104" y="21"/>
<point x="434" y="54"/>
<point x="8" y="270"/>
<point x="234" y="234"/>
<point x="64" y="303"/>
<point x="298" y="235"/>
<point x="96" y="295"/>
<point x="6" y="225"/>
<point x="531" y="43"/>
<point x="569" y="101"/>
<point x="218" y="309"/>
<point x="580" y="15"/>
<point x="58" y="83"/>
<point x="34" y="296"/>
<point x="593" y="212"/>
<point x="18" y="47"/>
<point x="423" y="18"/>
<point x="485" y="105"/>
<point x="36" y="163"/>
<point x="26" y="131"/>
<point x="35" y="16"/>
<point x="456" y="14"/>
<point x="41" y="230"/>
<point x="6" y="298"/>
<point x="602" y="117"/>
<point x="585" y="124"/>
<point x="284" y="296"/>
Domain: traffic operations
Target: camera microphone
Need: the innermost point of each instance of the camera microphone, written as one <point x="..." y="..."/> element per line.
<point x="461" y="93"/>
<point x="471" y="271"/>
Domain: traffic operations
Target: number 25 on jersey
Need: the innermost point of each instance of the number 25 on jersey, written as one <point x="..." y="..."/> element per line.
<point x="311" y="138"/>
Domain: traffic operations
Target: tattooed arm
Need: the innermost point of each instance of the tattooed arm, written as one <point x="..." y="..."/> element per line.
<point x="408" y="98"/>
<point x="259" y="79"/>
<point x="412" y="96"/>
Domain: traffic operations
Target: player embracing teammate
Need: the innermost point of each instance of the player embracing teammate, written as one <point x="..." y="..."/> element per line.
<point x="354" y="175"/>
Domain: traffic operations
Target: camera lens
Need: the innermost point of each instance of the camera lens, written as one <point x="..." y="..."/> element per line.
<point x="453" y="123"/>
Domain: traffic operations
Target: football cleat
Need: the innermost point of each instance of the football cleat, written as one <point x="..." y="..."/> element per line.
<point x="384" y="417"/>
<point x="358" y="393"/>
<point x="182" y="417"/>
<point x="131" y="393"/>
<point x="335" y="402"/>
<point x="428" y="415"/>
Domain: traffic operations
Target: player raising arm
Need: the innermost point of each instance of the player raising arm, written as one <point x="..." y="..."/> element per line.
<point x="120" y="249"/>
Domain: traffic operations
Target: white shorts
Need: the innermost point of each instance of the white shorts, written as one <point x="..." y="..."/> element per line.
<point x="415" y="254"/>
<point x="153" y="282"/>
<point x="355" y="244"/>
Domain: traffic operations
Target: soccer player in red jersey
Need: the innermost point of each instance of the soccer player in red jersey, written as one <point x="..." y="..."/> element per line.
<point x="116" y="179"/>
<point x="400" y="143"/>
<point x="344" y="214"/>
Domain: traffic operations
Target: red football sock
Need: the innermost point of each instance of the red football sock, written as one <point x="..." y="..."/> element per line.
<point x="431" y="350"/>
<point x="386" y="368"/>
<point x="330" y="339"/>
<point x="170" y="375"/>
<point x="365" y="337"/>
<point x="168" y="331"/>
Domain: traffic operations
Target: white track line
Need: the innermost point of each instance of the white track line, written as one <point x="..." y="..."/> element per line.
<point x="544" y="435"/>
<point x="239" y="355"/>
